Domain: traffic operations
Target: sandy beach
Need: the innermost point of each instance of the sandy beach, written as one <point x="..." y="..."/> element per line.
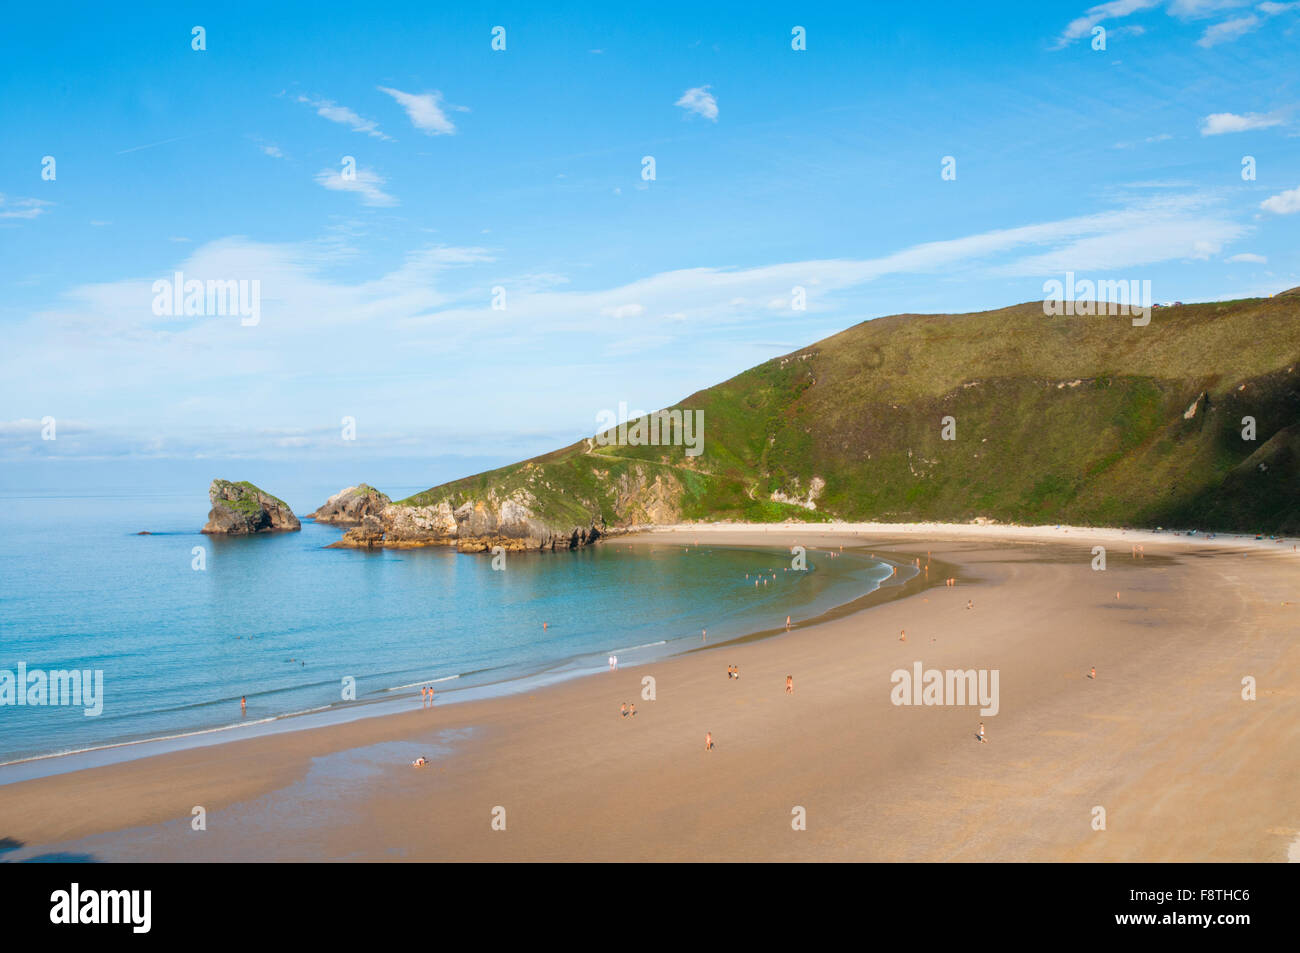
<point x="1161" y="740"/>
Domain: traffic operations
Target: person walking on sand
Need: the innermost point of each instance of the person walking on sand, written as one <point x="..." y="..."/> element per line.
<point x="902" y="635"/>
<point x="632" y="710"/>
<point x="708" y="741"/>
<point x="789" y="684"/>
<point x="624" y="709"/>
<point x="981" y="733"/>
<point x="1093" y="673"/>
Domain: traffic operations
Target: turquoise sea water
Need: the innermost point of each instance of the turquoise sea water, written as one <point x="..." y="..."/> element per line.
<point x="282" y="620"/>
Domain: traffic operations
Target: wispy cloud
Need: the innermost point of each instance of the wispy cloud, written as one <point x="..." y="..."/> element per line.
<point x="1082" y="26"/>
<point x="700" y="101"/>
<point x="365" y="182"/>
<point x="1247" y="258"/>
<point x="344" y="116"/>
<point x="1228" y="30"/>
<point x="425" y="111"/>
<point x="1225" y="31"/>
<point x="22" y="208"/>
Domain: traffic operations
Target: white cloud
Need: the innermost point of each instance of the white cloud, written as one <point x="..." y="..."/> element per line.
<point x="623" y="311"/>
<point x="1082" y="26"/>
<point x="700" y="101"/>
<point x="1249" y="258"/>
<point x="272" y="150"/>
<point x="366" y="183"/>
<point x="425" y="111"/>
<point x="1228" y="30"/>
<point x="1216" y="124"/>
<point x="22" y="208"/>
<point x="1194" y="9"/>
<point x="344" y="116"/>
<point x="1222" y="32"/>
<point x="1284" y="203"/>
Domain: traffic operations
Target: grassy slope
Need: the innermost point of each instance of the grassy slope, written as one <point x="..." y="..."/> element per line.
<point x="862" y="409"/>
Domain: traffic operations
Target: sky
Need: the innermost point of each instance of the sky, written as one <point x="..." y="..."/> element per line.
<point x="460" y="248"/>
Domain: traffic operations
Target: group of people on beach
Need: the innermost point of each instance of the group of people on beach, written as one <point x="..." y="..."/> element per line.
<point x="629" y="711"/>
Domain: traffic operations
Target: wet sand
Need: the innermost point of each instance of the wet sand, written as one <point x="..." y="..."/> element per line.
<point x="1162" y="740"/>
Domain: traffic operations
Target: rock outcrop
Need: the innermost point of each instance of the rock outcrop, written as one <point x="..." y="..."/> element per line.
<point x="514" y="522"/>
<point x="242" y="509"/>
<point x="350" y="506"/>
<point x="369" y="534"/>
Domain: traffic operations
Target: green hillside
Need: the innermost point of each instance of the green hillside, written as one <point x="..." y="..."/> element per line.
<point x="1058" y="419"/>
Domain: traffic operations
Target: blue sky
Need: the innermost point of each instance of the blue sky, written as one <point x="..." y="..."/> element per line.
<point x="521" y="169"/>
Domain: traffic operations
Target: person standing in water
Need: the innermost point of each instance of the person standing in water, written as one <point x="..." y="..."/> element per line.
<point x="243" y="705"/>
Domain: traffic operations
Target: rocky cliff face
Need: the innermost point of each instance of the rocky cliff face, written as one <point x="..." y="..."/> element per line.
<point x="513" y="521"/>
<point x="350" y="506"/>
<point x="242" y="509"/>
<point x="516" y="523"/>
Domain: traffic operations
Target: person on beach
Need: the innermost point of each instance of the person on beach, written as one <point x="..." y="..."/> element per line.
<point x="789" y="684"/>
<point x="902" y="635"/>
<point x="632" y="711"/>
<point x="1093" y="672"/>
<point x="613" y="662"/>
<point x="970" y="603"/>
<point x="708" y="741"/>
<point x="243" y="705"/>
<point x="624" y="709"/>
<point x="981" y="733"/>
<point x="420" y="762"/>
<point x="787" y="622"/>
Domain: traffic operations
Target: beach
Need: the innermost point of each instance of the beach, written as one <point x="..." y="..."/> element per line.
<point x="1160" y="747"/>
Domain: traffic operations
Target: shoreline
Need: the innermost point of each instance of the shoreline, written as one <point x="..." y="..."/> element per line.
<point x="383" y="703"/>
<point x="883" y="782"/>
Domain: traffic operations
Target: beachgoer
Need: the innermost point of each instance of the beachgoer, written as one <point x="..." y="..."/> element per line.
<point x="902" y="635"/>
<point x="789" y="684"/>
<point x="1093" y="672"/>
<point x="243" y="705"/>
<point x="632" y="711"/>
<point x="624" y="709"/>
<point x="708" y="741"/>
<point x="787" y="622"/>
<point x="981" y="733"/>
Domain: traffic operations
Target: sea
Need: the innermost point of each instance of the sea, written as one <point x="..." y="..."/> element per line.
<point x="182" y="625"/>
